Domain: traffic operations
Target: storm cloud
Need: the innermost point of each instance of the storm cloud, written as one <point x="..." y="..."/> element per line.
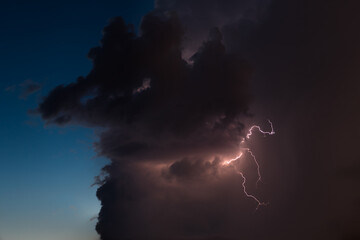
<point x="156" y="109"/>
<point x="175" y="99"/>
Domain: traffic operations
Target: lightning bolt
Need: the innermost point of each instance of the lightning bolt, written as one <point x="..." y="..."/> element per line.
<point x="248" y="150"/>
<point x="249" y="195"/>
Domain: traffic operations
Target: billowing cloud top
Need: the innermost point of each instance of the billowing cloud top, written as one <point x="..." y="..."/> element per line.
<point x="149" y="98"/>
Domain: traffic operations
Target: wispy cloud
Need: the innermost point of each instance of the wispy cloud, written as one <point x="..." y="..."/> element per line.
<point x="25" y="89"/>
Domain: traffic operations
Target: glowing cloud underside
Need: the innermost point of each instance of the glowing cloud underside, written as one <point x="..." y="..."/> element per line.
<point x="230" y="163"/>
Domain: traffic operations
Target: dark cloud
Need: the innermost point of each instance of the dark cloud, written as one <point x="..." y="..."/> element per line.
<point x="180" y="96"/>
<point x="156" y="109"/>
<point x="305" y="57"/>
<point x="169" y="122"/>
<point x="198" y="17"/>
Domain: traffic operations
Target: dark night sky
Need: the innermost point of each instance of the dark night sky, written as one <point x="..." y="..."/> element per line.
<point x="164" y="102"/>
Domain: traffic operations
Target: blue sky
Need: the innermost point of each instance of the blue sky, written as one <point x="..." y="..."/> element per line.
<point x="46" y="172"/>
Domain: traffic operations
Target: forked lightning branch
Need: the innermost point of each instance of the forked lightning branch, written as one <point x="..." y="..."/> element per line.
<point x="242" y="152"/>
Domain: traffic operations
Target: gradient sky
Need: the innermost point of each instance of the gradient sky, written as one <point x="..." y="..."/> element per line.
<point x="42" y="198"/>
